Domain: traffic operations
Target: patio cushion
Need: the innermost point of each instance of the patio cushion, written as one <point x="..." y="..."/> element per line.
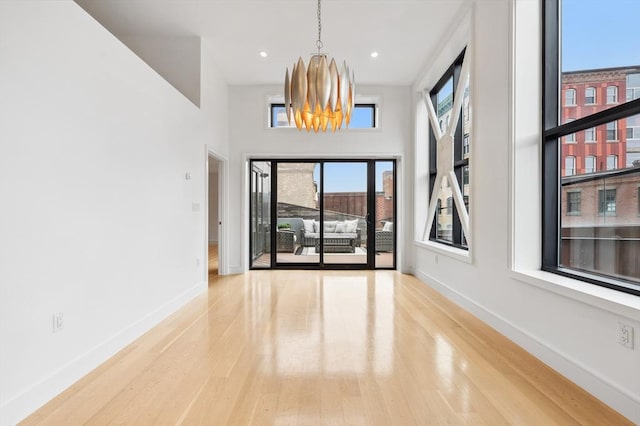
<point x="351" y="225"/>
<point x="308" y="225"/>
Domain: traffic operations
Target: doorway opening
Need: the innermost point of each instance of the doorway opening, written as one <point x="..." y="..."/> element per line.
<point x="322" y="214"/>
<point x="215" y="178"/>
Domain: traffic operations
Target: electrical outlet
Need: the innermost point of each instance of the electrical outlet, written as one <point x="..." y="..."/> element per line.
<point x="58" y="322"/>
<point x="197" y="261"/>
<point x="625" y="335"/>
<point x="436" y="259"/>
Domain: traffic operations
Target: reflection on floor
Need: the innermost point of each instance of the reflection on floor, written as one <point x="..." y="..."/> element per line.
<point x="213" y="259"/>
<point x="319" y="348"/>
<point x="382" y="259"/>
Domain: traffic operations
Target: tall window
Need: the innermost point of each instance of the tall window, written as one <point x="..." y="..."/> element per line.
<point x="570" y="138"/>
<point x="607" y="202"/>
<point x="570" y="166"/>
<point x="570" y="97"/>
<point x="574" y="202"/>
<point x="590" y="164"/>
<point x="612" y="94"/>
<point x="590" y="134"/>
<point x="597" y="244"/>
<point x="590" y="95"/>
<point x="612" y="131"/>
<point x="633" y="86"/>
<point x="449" y="222"/>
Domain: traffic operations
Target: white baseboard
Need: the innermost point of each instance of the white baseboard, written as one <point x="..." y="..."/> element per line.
<point x="621" y="400"/>
<point x="17" y="408"/>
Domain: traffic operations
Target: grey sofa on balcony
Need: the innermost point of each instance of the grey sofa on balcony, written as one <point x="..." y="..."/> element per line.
<point x="333" y="229"/>
<point x="384" y="238"/>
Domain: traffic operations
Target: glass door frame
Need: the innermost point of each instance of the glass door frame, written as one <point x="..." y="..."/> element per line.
<point x="370" y="218"/>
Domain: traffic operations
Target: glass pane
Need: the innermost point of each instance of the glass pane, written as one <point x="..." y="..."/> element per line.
<point x="599" y="64"/>
<point x="298" y="213"/>
<point x="362" y="117"/>
<point x="444" y="213"/>
<point x="260" y="214"/>
<point x="345" y="213"/>
<point x="600" y="219"/>
<point x="445" y="104"/>
<point x="385" y="222"/>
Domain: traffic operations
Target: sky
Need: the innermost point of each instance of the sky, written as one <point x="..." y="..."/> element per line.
<point x="600" y="34"/>
<point x="350" y="177"/>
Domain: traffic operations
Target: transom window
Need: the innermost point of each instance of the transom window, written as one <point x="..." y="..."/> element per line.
<point x="363" y="116"/>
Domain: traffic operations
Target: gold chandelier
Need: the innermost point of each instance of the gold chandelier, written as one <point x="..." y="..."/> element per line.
<point x="321" y="95"/>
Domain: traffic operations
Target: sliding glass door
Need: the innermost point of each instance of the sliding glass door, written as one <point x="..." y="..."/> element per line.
<point x="324" y="214"/>
<point x="345" y="213"/>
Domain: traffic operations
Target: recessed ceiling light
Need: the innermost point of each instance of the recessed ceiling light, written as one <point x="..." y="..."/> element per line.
<point x="374" y="54"/>
<point x="263" y="54"/>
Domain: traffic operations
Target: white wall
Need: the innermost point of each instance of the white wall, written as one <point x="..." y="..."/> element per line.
<point x="568" y="324"/>
<point x="97" y="217"/>
<point x="250" y="136"/>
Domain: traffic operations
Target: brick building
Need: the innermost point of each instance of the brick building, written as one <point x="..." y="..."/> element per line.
<point x="609" y="146"/>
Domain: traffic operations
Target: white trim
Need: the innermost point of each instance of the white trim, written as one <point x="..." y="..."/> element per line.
<point x="452" y="252"/>
<point x="612" y="394"/>
<point x="30" y="399"/>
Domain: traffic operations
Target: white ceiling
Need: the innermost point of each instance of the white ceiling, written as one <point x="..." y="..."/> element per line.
<point x="404" y="32"/>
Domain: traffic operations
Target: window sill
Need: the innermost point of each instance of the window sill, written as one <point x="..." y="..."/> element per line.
<point x="452" y="252"/>
<point x="612" y="140"/>
<point x="616" y="302"/>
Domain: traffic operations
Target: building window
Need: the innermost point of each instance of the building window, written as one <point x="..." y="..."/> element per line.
<point x="450" y="224"/>
<point x="612" y="131"/>
<point x="363" y="116"/>
<point x="607" y="202"/>
<point x="590" y="134"/>
<point x="612" y="94"/>
<point x="570" y="138"/>
<point x="574" y="201"/>
<point x="633" y="86"/>
<point x="570" y="166"/>
<point x="590" y="164"/>
<point x="633" y="159"/>
<point x="590" y="247"/>
<point x="570" y="97"/>
<point x="590" y="95"/>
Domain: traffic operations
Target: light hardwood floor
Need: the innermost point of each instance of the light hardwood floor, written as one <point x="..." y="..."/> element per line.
<point x="323" y="348"/>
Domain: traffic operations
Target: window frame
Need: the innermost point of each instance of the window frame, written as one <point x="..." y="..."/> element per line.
<point x="612" y="99"/>
<point x="573" y="99"/>
<point x="595" y="96"/>
<point x="593" y="131"/>
<point x="460" y="159"/>
<point x="615" y="130"/>
<point x="372" y="106"/>
<point x="577" y="211"/>
<point x="595" y="164"/>
<point x="552" y="132"/>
